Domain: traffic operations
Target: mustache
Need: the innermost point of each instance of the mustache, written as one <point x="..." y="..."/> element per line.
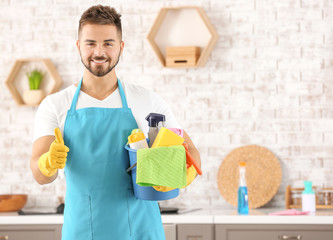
<point x="99" y="58"/>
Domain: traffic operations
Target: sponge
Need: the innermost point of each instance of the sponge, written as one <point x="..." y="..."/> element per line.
<point x="166" y="138"/>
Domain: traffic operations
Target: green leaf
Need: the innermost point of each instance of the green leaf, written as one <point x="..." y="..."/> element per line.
<point x="35" y="78"/>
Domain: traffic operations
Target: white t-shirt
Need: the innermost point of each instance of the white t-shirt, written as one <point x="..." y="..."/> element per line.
<point x="52" y="111"/>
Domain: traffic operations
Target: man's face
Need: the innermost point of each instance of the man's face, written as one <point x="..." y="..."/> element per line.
<point x="100" y="48"/>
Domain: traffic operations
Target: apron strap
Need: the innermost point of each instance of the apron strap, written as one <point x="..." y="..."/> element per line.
<point x="122" y="94"/>
<point x="76" y="96"/>
<point x="78" y="88"/>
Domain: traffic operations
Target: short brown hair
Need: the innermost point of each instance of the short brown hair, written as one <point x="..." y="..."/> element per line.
<point x="103" y="15"/>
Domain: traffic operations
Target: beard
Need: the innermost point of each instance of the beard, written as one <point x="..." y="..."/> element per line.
<point x="99" y="71"/>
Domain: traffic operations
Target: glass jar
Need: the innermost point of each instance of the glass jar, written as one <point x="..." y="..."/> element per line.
<point x="320" y="198"/>
<point x="296" y="197"/>
<point x="327" y="197"/>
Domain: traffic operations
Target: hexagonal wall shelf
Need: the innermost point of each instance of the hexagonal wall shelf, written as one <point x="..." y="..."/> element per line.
<point x="186" y="28"/>
<point x="17" y="81"/>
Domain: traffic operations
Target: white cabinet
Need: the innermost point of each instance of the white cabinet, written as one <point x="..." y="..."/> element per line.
<point x="273" y="231"/>
<point x="195" y="232"/>
<point x="30" y="232"/>
<point x="170" y="231"/>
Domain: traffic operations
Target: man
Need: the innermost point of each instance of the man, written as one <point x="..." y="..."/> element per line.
<point x="96" y="115"/>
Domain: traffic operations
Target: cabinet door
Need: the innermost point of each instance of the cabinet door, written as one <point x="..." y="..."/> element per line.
<point x="195" y="232"/>
<point x="170" y="231"/>
<point x="30" y="232"/>
<point x="276" y="231"/>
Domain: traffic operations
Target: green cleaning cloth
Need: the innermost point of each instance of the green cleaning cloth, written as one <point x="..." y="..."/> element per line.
<point x="161" y="166"/>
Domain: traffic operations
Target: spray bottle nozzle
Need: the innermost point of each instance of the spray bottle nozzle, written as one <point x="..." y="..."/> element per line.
<point x="154" y="118"/>
<point x="308" y="187"/>
<point x="242" y="164"/>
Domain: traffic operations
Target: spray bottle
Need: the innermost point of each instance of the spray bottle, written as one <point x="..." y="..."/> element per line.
<point x="308" y="198"/>
<point x="243" y="204"/>
<point x="153" y="121"/>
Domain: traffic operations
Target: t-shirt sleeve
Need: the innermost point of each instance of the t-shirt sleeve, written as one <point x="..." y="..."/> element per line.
<point x="45" y="119"/>
<point x="160" y="106"/>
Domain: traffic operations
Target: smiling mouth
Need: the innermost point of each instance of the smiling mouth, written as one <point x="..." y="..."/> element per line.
<point x="99" y="61"/>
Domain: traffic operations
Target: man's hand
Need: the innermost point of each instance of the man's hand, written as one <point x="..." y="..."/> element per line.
<point x="55" y="158"/>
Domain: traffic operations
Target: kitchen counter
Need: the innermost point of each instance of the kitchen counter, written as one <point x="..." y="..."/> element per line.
<point x="195" y="216"/>
<point x="261" y="216"/>
<point x="256" y="216"/>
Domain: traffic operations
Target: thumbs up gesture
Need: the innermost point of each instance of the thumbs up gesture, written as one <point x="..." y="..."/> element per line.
<point x="58" y="151"/>
<point x="55" y="158"/>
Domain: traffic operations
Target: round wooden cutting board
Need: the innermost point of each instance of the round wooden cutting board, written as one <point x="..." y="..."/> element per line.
<point x="263" y="175"/>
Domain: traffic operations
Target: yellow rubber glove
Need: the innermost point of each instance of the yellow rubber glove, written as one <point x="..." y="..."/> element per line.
<point x="191" y="173"/>
<point x="163" y="189"/>
<point x="55" y="158"/>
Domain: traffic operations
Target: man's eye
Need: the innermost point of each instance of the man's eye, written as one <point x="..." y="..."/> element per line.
<point x="108" y="44"/>
<point x="90" y="44"/>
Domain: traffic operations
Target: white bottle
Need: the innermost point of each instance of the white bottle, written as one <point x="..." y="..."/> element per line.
<point x="308" y="198"/>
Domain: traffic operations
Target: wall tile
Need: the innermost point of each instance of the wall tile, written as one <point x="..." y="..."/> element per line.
<point x="267" y="82"/>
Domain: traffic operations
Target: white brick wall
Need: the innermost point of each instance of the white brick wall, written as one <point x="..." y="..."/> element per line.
<point x="267" y="82"/>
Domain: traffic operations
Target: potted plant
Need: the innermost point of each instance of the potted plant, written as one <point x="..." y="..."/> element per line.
<point x="34" y="95"/>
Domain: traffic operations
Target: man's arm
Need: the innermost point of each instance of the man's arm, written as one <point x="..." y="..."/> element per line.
<point x="39" y="147"/>
<point x="192" y="149"/>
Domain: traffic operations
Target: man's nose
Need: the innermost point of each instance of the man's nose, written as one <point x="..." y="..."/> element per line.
<point x="99" y="51"/>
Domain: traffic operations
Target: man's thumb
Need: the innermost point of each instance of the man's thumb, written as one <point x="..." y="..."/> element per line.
<point x="58" y="136"/>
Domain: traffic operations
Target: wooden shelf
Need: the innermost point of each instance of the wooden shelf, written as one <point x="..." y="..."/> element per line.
<point x="17" y="81"/>
<point x="289" y="201"/>
<point x="182" y="27"/>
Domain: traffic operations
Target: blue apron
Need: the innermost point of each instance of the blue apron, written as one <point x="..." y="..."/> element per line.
<point x="100" y="204"/>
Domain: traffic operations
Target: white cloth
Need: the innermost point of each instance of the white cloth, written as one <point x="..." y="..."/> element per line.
<point x="52" y="111"/>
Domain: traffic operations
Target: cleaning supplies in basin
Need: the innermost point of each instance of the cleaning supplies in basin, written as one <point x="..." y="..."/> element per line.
<point x="243" y="204"/>
<point x="162" y="167"/>
<point x="153" y="121"/>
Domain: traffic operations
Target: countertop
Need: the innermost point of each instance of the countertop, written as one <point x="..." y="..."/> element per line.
<point x="196" y="216"/>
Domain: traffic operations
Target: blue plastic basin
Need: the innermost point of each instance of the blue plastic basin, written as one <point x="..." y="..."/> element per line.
<point x="147" y="193"/>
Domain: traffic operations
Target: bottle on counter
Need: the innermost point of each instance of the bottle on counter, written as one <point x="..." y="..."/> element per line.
<point x="308" y="198"/>
<point x="243" y="204"/>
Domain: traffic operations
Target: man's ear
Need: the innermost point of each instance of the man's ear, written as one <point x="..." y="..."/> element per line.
<point x="78" y="45"/>
<point x="122" y="44"/>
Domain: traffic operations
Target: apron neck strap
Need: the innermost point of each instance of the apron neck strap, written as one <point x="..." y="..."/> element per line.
<point x="78" y="88"/>
<point x="76" y="95"/>
<point x="122" y="94"/>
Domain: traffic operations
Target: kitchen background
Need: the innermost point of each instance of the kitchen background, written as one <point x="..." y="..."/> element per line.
<point x="268" y="81"/>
